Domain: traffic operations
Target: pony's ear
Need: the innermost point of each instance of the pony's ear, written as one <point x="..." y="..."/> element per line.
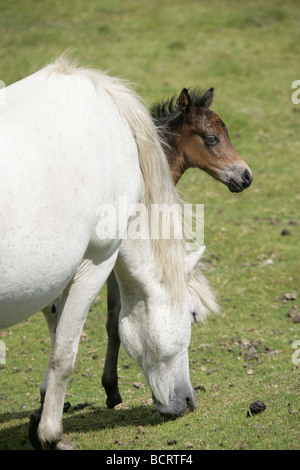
<point x="207" y="98"/>
<point x="184" y="101"/>
<point x="192" y="259"/>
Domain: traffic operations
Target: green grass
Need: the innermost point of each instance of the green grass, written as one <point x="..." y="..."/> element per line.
<point x="249" y="51"/>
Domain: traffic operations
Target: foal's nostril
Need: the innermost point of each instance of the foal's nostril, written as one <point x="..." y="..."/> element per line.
<point x="247" y="178"/>
<point x="246" y="175"/>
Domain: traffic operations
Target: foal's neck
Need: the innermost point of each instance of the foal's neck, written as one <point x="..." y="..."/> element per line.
<point x="177" y="164"/>
<point x="177" y="159"/>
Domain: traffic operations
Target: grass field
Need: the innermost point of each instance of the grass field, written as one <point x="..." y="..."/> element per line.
<point x="249" y="51"/>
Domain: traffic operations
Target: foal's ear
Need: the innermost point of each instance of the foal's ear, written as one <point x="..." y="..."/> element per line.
<point x="184" y="101"/>
<point x="192" y="259"/>
<point x="207" y="98"/>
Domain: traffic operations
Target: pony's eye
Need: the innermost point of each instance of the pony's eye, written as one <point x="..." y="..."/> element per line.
<point x="211" y="139"/>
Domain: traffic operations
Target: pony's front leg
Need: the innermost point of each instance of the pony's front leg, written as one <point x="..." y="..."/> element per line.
<point x="110" y="374"/>
<point x="51" y="314"/>
<point x="76" y="302"/>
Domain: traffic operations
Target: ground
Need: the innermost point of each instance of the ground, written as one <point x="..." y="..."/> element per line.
<point x="249" y="52"/>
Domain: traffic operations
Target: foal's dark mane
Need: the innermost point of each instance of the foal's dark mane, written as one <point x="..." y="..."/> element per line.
<point x="168" y="109"/>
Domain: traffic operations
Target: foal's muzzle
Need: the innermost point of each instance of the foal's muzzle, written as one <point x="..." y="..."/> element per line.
<point x="238" y="184"/>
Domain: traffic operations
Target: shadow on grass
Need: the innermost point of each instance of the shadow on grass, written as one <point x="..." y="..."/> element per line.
<point x="92" y="418"/>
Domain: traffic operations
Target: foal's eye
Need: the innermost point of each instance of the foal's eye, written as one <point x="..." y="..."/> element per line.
<point x="211" y="139"/>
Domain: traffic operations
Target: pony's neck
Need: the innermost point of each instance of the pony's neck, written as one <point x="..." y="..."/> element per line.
<point x="136" y="269"/>
<point x="146" y="266"/>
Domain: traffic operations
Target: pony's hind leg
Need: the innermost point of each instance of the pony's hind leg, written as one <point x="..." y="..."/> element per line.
<point x="110" y="374"/>
<point x="75" y="305"/>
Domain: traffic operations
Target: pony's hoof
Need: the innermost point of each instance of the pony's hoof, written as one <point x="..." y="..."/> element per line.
<point x="113" y="400"/>
<point x="65" y="445"/>
<point x="35" y="418"/>
<point x="35" y="441"/>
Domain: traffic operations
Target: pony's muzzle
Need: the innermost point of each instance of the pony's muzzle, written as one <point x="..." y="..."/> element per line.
<point x="178" y="403"/>
<point x="191" y="402"/>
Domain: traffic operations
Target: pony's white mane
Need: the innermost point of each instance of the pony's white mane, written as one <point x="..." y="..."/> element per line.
<point x="158" y="183"/>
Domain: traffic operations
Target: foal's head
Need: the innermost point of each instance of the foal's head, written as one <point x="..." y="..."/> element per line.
<point x="197" y="137"/>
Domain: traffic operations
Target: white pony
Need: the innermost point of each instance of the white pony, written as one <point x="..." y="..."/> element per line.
<point x="71" y="140"/>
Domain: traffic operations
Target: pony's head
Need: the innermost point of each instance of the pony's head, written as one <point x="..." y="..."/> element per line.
<point x="155" y="326"/>
<point x="200" y="139"/>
